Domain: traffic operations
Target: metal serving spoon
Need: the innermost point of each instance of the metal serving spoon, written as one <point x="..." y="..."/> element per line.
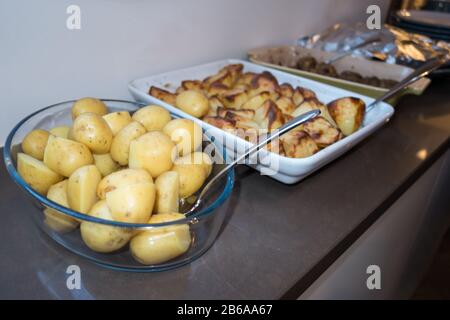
<point x="280" y="131"/>
<point x="420" y="72"/>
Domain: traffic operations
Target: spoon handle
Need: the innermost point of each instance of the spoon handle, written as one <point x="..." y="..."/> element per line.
<point x="280" y="131"/>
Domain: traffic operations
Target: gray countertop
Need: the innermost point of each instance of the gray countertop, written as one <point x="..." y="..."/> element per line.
<point x="278" y="238"/>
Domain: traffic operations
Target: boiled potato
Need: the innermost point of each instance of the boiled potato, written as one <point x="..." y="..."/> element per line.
<point x="186" y="134"/>
<point x="161" y="244"/>
<point x="35" y="142"/>
<point x="132" y="203"/>
<point x="122" y="178"/>
<point x="64" y="156"/>
<point x="191" y="177"/>
<point x="101" y="237"/>
<point x="152" y="117"/>
<point x="193" y="102"/>
<point x="197" y="158"/>
<point x="167" y="192"/>
<point x="62" y="131"/>
<point x="105" y="164"/>
<point x="120" y="146"/>
<point x="89" y="105"/>
<point x="348" y="113"/>
<point x="82" y="188"/>
<point x="93" y="131"/>
<point x="117" y="120"/>
<point x="54" y="219"/>
<point x="153" y="151"/>
<point x="36" y="173"/>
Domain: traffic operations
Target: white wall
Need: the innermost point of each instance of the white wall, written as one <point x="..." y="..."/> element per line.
<point x="42" y="62"/>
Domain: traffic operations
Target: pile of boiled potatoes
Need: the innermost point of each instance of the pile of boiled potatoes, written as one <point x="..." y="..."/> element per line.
<point x="121" y="167"/>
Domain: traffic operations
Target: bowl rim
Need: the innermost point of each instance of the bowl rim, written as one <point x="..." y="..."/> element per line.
<point x="205" y="212"/>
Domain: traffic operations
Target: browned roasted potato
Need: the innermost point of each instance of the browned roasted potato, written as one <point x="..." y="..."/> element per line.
<point x="269" y="116"/>
<point x="214" y="104"/>
<point x="229" y="113"/>
<point x="256" y="101"/>
<point x="285" y="104"/>
<point x="246" y="78"/>
<point x="263" y="82"/>
<point x="286" y="90"/>
<point x="234" y="98"/>
<point x="348" y="113"/>
<point x="219" y="122"/>
<point x="311" y="104"/>
<point x="163" y="95"/>
<point x="298" y="144"/>
<point x="235" y="70"/>
<point x="191" y="85"/>
<point x="322" y="132"/>
<point x="301" y="94"/>
<point x="223" y="77"/>
<point x="217" y="89"/>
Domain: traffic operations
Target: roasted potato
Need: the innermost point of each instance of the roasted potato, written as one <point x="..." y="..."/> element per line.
<point x="269" y="116"/>
<point x="285" y="104"/>
<point x="161" y="244"/>
<point x="298" y="144"/>
<point x="120" y="146"/>
<point x="117" y="120"/>
<point x="152" y="117"/>
<point x="257" y="101"/>
<point x="190" y="85"/>
<point x="286" y="90"/>
<point x="62" y="131"/>
<point x="348" y="113"/>
<point x="223" y="77"/>
<point x="82" y="188"/>
<point x="185" y="133"/>
<point x="102" y="237"/>
<point x="234" y="99"/>
<point x="301" y="94"/>
<point x="91" y="105"/>
<point x="54" y="219"/>
<point x="322" y="132"/>
<point x="35" y="142"/>
<point x="162" y="95"/>
<point x="121" y="178"/>
<point x="262" y="82"/>
<point x="214" y="104"/>
<point x="93" y="131"/>
<point x="36" y="173"/>
<point x="193" y="102"/>
<point x="105" y="164"/>
<point x="235" y="71"/>
<point x="64" y="156"/>
<point x="216" y="90"/>
<point x="132" y="203"/>
<point x="167" y="192"/>
<point x="241" y="114"/>
<point x="222" y="123"/>
<point x="311" y="104"/>
<point x="153" y="151"/>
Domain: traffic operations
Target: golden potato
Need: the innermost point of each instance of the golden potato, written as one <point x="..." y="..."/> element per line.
<point x="191" y="176"/>
<point x="197" y="158"/>
<point x="162" y="95"/>
<point x="93" y="131"/>
<point x="268" y="116"/>
<point x="193" y="102"/>
<point x="132" y="203"/>
<point x="217" y="89"/>
<point x="102" y="237"/>
<point x="89" y="105"/>
<point x="298" y="144"/>
<point x="117" y="120"/>
<point x="234" y="98"/>
<point x="348" y="113"/>
<point x="322" y="132"/>
<point x="285" y="104"/>
<point x="214" y="104"/>
<point x="105" y="164"/>
<point x="62" y="131"/>
<point x="286" y="90"/>
<point x="122" y="178"/>
<point x="65" y="156"/>
<point x="120" y="146"/>
<point x="59" y="221"/>
<point x="256" y="101"/>
<point x="301" y="94"/>
<point x="152" y="117"/>
<point x="190" y="85"/>
<point x="312" y="104"/>
<point x="167" y="192"/>
<point x="161" y="244"/>
<point x="82" y="188"/>
<point x="153" y="151"/>
<point x="262" y="82"/>
<point x="186" y="134"/>
<point x="36" y="173"/>
<point x="35" y="142"/>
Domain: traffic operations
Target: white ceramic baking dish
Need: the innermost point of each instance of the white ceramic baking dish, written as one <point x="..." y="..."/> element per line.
<point x="284" y="169"/>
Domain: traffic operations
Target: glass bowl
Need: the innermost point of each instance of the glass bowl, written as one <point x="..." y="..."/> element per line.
<point x="202" y="227"/>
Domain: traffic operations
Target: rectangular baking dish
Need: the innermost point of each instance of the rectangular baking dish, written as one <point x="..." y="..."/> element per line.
<point x="285" y="58"/>
<point x="284" y="169"/>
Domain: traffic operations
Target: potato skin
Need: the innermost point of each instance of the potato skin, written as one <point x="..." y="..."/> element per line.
<point x="348" y="113"/>
<point x="117" y="120"/>
<point x="199" y="159"/>
<point x="161" y="244"/>
<point x="64" y="156"/>
<point x="153" y="151"/>
<point x="122" y="178"/>
<point x="62" y="131"/>
<point x="54" y="219"/>
<point x="82" y="188"/>
<point x="105" y="164"/>
<point x="101" y="237"/>
<point x="322" y="132"/>
<point x="167" y="192"/>
<point x="193" y="102"/>
<point x="132" y="203"/>
<point x="152" y="117"/>
<point x="93" y="131"/>
<point x="88" y="105"/>
<point x="120" y="146"/>
<point x="298" y="144"/>
<point x="35" y="142"/>
<point x="186" y="134"/>
<point x="36" y="173"/>
<point x="192" y="176"/>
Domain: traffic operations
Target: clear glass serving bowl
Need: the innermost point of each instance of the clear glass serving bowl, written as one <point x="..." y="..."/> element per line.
<point x="204" y="225"/>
